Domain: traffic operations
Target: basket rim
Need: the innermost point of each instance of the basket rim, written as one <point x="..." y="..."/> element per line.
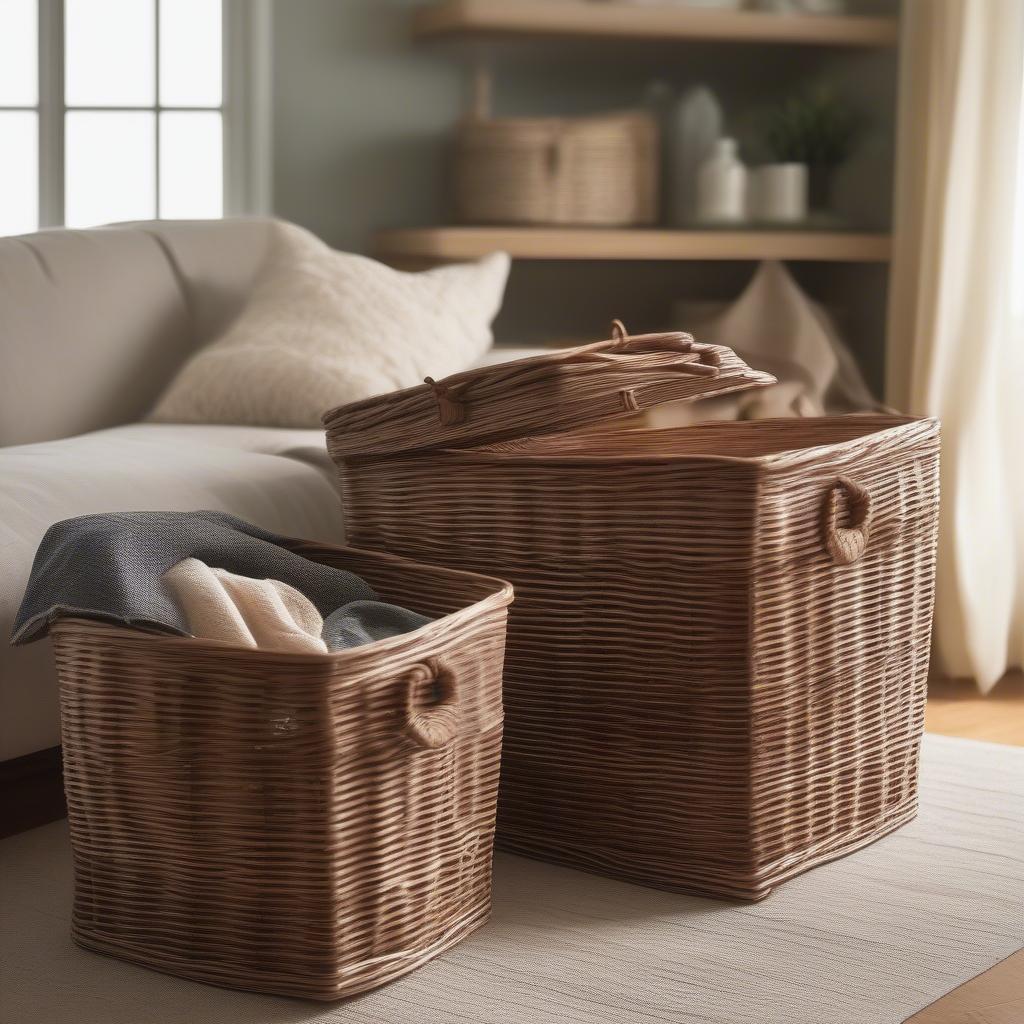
<point x="501" y="596"/>
<point x="886" y="424"/>
<point x="612" y="119"/>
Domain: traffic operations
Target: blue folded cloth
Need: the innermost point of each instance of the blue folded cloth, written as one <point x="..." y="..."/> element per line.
<point x="110" y="567"/>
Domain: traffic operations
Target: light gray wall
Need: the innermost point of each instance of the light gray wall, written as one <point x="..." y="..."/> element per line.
<point x="362" y="118"/>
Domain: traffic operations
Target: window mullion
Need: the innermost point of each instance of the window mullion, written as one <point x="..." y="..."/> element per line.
<point x="51" y="113"/>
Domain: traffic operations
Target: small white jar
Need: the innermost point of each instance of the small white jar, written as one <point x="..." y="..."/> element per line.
<point x="779" y="193"/>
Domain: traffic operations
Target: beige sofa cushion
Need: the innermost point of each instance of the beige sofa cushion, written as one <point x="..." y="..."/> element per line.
<point x="278" y="479"/>
<point x="324" y="328"/>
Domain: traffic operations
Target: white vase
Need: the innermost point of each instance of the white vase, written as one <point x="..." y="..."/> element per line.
<point x="779" y="193"/>
<point x="694" y="126"/>
<point x="722" y="186"/>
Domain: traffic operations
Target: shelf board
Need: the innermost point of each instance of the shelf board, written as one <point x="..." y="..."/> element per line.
<point x="556" y="243"/>
<point x="586" y="19"/>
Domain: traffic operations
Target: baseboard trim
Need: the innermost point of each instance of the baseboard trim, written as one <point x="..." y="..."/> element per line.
<point x="31" y="791"/>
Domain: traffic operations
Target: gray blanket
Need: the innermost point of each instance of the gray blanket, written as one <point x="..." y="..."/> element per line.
<point x="109" y="567"/>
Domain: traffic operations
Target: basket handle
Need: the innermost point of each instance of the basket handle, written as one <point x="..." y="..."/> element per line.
<point x="435" y="726"/>
<point x="845" y="544"/>
<point x="623" y="343"/>
<point x="449" y="393"/>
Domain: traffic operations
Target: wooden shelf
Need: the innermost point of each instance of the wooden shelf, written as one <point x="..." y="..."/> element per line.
<point x="461" y="243"/>
<point x="586" y="19"/>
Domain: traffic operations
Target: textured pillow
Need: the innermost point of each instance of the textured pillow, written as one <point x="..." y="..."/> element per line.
<point x="323" y="328"/>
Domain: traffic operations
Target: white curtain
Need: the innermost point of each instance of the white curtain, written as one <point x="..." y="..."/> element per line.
<point x="956" y="311"/>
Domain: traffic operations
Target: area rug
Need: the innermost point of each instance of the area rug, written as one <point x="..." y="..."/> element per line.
<point x="869" y="939"/>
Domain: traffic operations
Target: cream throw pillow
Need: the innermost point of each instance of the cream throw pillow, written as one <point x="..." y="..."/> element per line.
<point x="324" y="328"/>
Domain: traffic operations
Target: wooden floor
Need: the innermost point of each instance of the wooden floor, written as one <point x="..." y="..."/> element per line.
<point x="955" y="708"/>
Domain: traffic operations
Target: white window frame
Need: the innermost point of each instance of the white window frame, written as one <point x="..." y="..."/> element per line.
<point x="245" y="108"/>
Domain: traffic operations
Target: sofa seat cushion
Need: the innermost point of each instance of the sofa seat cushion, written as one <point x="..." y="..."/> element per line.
<point x="279" y="479"/>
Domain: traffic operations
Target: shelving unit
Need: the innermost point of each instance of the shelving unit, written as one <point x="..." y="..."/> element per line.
<point x="585" y="19"/>
<point x="603" y="271"/>
<point x="472" y="20"/>
<point x="463" y="243"/>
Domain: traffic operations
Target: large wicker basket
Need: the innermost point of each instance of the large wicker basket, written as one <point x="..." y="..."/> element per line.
<point x="308" y="825"/>
<point x="717" y="659"/>
<point x="587" y="170"/>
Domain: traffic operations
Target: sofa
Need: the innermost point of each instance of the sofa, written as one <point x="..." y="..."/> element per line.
<point x="93" y="325"/>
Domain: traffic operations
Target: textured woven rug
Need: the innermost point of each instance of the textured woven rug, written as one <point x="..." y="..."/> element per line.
<point x="867" y="940"/>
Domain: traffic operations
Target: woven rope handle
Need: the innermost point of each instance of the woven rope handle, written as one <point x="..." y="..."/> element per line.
<point x="845" y="544"/>
<point x="622" y="342"/>
<point x="435" y="726"/>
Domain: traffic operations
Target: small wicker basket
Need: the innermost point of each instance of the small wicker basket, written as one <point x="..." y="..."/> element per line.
<point x="588" y="171"/>
<point x="718" y="654"/>
<point x="306" y="825"/>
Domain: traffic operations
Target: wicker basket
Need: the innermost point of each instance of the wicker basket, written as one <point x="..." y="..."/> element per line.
<point x="717" y="658"/>
<point x="307" y="825"/>
<point x="589" y="170"/>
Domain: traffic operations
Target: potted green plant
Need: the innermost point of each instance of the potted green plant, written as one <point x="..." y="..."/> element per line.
<point x="816" y="128"/>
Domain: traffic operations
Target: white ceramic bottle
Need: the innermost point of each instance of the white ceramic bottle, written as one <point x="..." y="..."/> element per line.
<point x="722" y="186"/>
<point x="692" y="129"/>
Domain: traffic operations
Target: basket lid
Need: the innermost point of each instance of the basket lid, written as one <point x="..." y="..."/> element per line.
<point x="546" y="394"/>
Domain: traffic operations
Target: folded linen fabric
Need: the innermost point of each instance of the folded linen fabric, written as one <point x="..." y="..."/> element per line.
<point x="111" y="566"/>
<point x="239" y="610"/>
<point x="775" y="326"/>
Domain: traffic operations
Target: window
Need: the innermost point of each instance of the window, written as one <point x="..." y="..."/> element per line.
<point x="19" y="117"/>
<point x="116" y="110"/>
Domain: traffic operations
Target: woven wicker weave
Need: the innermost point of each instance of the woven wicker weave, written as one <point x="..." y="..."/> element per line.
<point x="588" y="170"/>
<point x="308" y="825"/>
<point x="716" y="662"/>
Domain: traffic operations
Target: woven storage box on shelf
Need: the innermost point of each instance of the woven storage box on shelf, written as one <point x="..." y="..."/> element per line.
<point x="586" y="170"/>
<point x="306" y="825"/>
<point x="716" y="663"/>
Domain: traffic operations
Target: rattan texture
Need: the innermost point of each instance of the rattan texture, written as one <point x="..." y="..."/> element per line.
<point x="717" y="659"/>
<point x="588" y="171"/>
<point x="306" y="825"/>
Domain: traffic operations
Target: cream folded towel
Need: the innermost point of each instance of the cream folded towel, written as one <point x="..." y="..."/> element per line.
<point x="221" y="605"/>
